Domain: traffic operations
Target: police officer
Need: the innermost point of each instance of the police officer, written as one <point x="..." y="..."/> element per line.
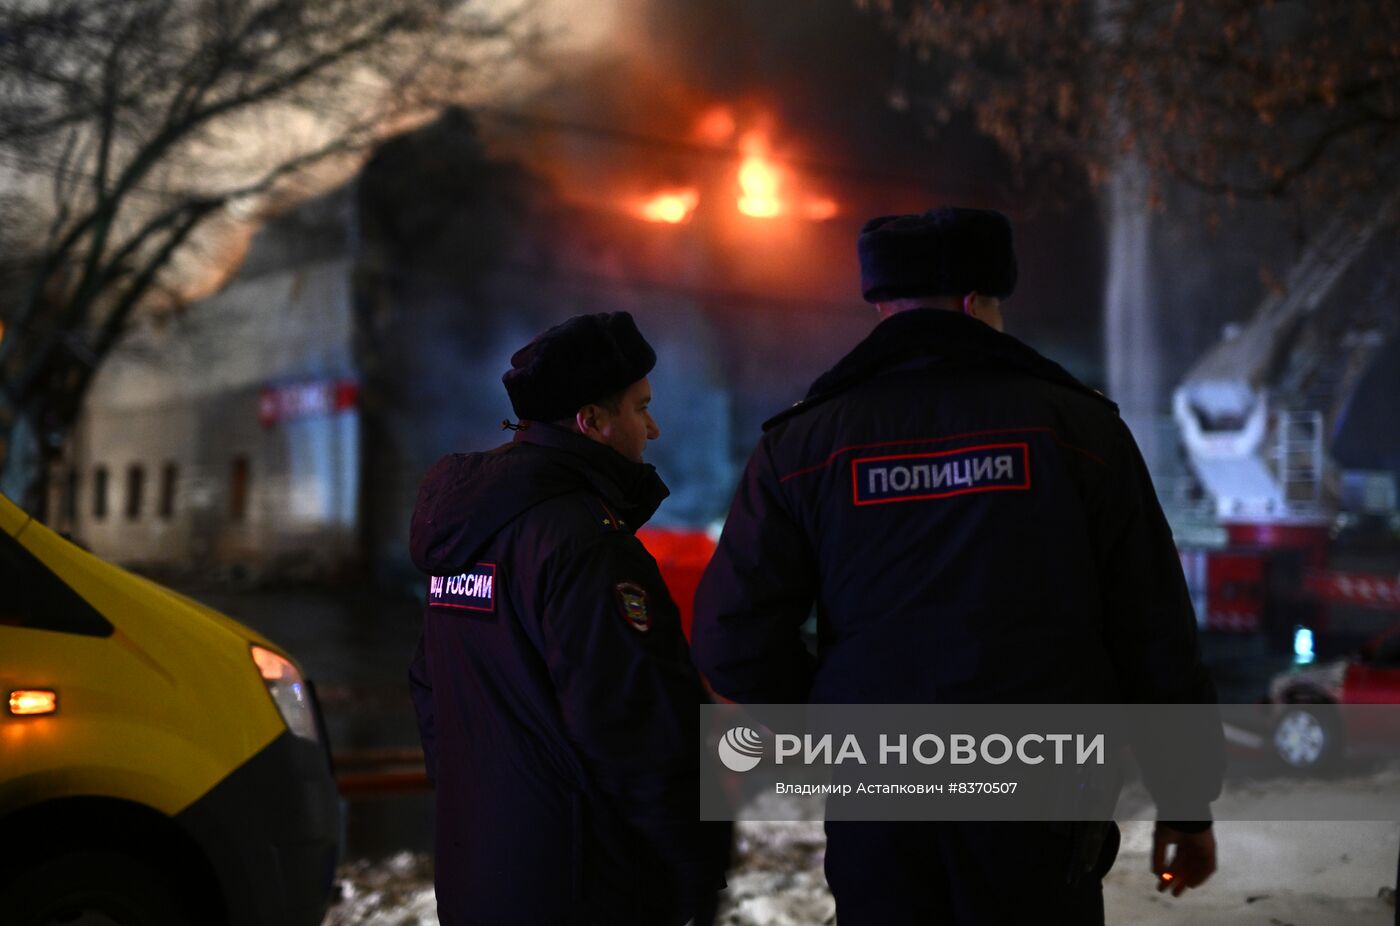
<point x="973" y="526"/>
<point x="554" y="690"/>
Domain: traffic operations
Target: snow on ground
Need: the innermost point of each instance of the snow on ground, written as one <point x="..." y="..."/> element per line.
<point x="778" y="880"/>
<point x="1271" y="874"/>
<point x="397" y="891"/>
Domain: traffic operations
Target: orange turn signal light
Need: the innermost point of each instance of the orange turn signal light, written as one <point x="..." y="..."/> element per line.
<point x="30" y="702"/>
<point x="1168" y="876"/>
<point x="271" y="666"/>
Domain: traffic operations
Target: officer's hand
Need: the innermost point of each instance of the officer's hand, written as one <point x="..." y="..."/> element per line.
<point x="1192" y="864"/>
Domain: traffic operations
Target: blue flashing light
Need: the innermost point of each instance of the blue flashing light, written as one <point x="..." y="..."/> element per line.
<point x="1302" y="645"/>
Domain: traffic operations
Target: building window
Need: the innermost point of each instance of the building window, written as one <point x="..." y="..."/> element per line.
<point x="99" y="493"/>
<point x="135" y="489"/>
<point x="70" y="498"/>
<point x="238" y="489"/>
<point x="169" y="477"/>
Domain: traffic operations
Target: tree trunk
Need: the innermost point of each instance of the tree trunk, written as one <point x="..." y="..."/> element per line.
<point x="1131" y="303"/>
<point x="1132" y="307"/>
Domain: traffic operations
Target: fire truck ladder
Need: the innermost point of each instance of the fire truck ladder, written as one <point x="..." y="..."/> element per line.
<point x="1300" y="460"/>
<point x="1252" y="454"/>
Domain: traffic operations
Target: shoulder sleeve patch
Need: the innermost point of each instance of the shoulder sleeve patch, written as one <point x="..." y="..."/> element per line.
<point x="473" y="590"/>
<point x="632" y="601"/>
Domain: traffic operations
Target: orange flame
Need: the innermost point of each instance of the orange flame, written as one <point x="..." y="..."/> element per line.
<point x="759" y="180"/>
<point x="766" y="188"/>
<point x="670" y="206"/>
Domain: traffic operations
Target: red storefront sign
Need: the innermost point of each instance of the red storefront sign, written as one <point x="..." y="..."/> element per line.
<point x="310" y="399"/>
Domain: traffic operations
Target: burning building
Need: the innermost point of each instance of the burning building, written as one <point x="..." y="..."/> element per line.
<point x="282" y="424"/>
<point x="285" y="422"/>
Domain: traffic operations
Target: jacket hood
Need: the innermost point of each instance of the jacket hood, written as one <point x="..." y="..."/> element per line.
<point x="467" y="498"/>
<point x="935" y="335"/>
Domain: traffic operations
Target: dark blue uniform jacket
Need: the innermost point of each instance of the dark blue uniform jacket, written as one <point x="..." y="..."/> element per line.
<point x="555" y="695"/>
<point x="973" y="526"/>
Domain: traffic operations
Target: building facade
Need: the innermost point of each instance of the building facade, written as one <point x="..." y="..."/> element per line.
<point x="226" y="437"/>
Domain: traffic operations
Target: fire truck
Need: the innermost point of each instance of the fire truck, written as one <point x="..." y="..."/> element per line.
<point x="1307" y="539"/>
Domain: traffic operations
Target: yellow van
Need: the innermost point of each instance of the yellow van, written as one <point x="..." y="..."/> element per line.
<point x="160" y="764"/>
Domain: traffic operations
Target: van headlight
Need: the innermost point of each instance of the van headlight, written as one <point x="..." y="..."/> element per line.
<point x="289" y="691"/>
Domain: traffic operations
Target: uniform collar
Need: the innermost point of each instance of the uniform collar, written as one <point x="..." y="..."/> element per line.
<point x="931" y="335"/>
<point x="634" y="488"/>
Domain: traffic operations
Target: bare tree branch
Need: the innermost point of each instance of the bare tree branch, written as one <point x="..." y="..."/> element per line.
<point x="1239" y="98"/>
<point x="137" y="114"/>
